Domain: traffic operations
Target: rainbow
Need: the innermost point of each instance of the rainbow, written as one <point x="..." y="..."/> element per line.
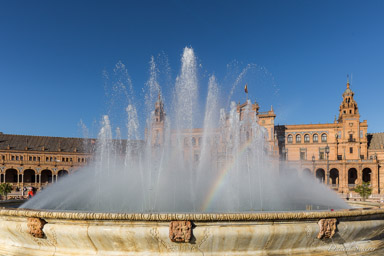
<point x="222" y="174"/>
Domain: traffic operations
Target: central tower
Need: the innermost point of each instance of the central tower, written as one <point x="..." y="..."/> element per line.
<point x="158" y="122"/>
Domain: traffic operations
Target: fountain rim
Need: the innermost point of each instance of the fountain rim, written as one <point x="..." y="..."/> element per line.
<point x="218" y="217"/>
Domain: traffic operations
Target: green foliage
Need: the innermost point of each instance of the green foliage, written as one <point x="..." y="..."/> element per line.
<point x="5" y="188"/>
<point x="364" y="190"/>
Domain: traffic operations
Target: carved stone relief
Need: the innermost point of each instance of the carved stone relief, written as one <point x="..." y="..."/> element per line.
<point x="327" y="228"/>
<point x="35" y="226"/>
<point x="180" y="231"/>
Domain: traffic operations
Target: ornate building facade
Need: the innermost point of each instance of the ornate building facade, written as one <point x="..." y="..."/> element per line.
<point x="341" y="154"/>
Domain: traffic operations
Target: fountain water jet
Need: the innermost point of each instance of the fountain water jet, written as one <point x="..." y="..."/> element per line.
<point x="221" y="169"/>
<point x="129" y="201"/>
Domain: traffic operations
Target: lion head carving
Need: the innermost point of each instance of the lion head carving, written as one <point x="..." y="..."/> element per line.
<point x="180" y="231"/>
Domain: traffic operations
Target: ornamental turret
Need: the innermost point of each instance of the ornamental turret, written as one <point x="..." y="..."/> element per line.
<point x="348" y="107"/>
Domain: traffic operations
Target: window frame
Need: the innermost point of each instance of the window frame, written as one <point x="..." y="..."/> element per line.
<point x="298" y="138"/>
<point x="324" y="135"/>
<point x="290" y="138"/>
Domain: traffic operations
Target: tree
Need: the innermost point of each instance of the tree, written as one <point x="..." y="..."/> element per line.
<point x="5" y="188"/>
<point x="364" y="190"/>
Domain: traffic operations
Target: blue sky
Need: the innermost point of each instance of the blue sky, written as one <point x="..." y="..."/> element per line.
<point x="53" y="54"/>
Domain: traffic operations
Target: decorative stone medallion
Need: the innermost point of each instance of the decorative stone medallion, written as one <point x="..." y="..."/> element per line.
<point x="180" y="231"/>
<point x="327" y="228"/>
<point x="35" y="226"/>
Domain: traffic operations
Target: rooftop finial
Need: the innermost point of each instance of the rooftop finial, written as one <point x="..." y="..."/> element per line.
<point x="348" y="81"/>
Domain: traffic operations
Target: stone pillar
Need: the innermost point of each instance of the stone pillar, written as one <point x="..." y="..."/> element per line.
<point x="381" y="178"/>
<point x="340" y="180"/>
<point x="344" y="179"/>
<point x="35" y="179"/>
<point x="359" y="180"/>
<point x="40" y="180"/>
<point x="374" y="180"/>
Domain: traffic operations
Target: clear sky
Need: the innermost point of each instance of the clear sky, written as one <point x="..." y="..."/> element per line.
<point x="53" y="54"/>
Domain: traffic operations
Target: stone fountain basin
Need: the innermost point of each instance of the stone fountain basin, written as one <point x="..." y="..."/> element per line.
<point x="358" y="232"/>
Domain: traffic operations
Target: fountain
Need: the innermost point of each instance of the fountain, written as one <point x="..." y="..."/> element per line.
<point x="219" y="193"/>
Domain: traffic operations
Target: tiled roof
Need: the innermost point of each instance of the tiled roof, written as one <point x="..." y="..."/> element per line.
<point x="38" y="143"/>
<point x="51" y="144"/>
<point x="376" y="140"/>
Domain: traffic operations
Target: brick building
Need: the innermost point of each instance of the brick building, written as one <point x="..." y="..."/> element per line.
<point x="341" y="154"/>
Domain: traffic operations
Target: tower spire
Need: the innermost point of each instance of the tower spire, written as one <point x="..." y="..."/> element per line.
<point x="347" y="81"/>
<point x="348" y="107"/>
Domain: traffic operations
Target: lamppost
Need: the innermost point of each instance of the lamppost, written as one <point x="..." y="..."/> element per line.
<point x="285" y="152"/>
<point x="378" y="173"/>
<point x="313" y="164"/>
<point x="327" y="152"/>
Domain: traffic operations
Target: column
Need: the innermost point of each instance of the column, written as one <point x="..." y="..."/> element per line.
<point x="359" y="180"/>
<point x="374" y="180"/>
<point x="340" y="180"/>
<point x="35" y="179"/>
<point x="381" y="178"/>
<point x="344" y="179"/>
<point x="40" y="180"/>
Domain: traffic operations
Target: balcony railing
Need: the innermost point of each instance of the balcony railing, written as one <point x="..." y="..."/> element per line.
<point x="28" y="162"/>
<point x="338" y="161"/>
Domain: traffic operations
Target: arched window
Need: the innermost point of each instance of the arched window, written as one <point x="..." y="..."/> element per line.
<point x="320" y="175"/>
<point x="306" y="138"/>
<point x="367" y="175"/>
<point x="315" y="138"/>
<point x="298" y="138"/>
<point x="334" y="177"/>
<point x="290" y="138"/>
<point x="323" y="137"/>
<point x="193" y="141"/>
